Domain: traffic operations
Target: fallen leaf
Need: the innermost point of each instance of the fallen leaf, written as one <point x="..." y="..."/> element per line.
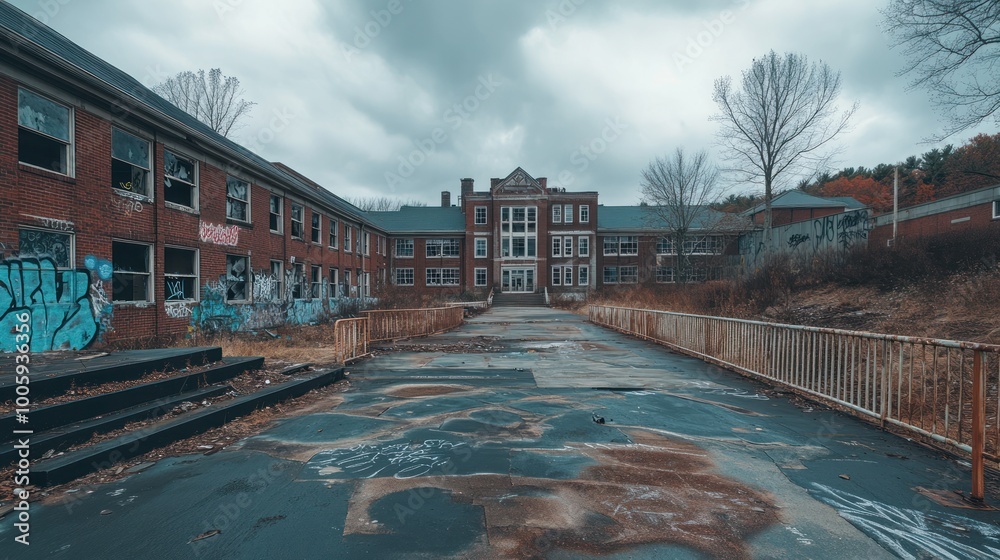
<point x="205" y="535"/>
<point x="845" y="477"/>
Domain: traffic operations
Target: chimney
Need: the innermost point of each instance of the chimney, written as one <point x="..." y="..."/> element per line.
<point x="445" y="199"/>
<point x="494" y="182"/>
<point x="467" y="187"/>
<point x="543" y="181"/>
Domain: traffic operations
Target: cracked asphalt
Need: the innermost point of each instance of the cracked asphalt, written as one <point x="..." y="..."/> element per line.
<point x="530" y="433"/>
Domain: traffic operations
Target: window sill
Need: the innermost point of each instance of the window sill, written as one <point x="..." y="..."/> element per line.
<point x="137" y="304"/>
<point x="181" y="208"/>
<point x="277" y="232"/>
<point x="240" y="223"/>
<point x="47" y="173"/>
<point x="132" y="195"/>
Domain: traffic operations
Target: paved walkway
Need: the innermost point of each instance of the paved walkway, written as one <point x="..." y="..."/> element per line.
<point x="531" y="433"/>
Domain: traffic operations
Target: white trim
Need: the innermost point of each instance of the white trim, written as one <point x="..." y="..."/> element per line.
<point x="150" y="289"/>
<point x="196" y="196"/>
<point x="71" y="125"/>
<point x="197" y="275"/>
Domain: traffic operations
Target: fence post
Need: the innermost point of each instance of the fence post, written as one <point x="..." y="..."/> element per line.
<point x="978" y="426"/>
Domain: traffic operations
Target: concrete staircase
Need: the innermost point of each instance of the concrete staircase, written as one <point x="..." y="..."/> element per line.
<point x="518" y="300"/>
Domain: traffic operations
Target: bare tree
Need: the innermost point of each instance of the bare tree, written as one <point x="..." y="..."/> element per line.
<point x="677" y="191"/>
<point x="382" y="203"/>
<point x="212" y="98"/>
<point x="781" y="121"/>
<point x="953" y="48"/>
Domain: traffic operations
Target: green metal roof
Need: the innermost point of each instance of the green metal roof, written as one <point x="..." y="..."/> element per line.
<point x="626" y="218"/>
<point x="421" y="219"/>
<point x="798" y="199"/>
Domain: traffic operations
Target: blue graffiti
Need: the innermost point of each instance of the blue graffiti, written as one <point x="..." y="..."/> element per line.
<point x="58" y="303"/>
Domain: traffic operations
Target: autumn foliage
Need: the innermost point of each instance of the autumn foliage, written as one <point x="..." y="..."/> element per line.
<point x="865" y="190"/>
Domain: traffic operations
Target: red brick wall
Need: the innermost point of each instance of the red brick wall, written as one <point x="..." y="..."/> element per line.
<point x="978" y="216"/>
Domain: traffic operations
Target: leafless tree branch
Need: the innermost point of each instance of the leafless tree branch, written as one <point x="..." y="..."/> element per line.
<point x="212" y="98"/>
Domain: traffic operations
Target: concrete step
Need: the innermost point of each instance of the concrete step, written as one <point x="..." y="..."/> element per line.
<point x="61" y="414"/>
<point x="107" y="453"/>
<point x="66" y="436"/>
<point x="54" y="376"/>
<point x="519" y="300"/>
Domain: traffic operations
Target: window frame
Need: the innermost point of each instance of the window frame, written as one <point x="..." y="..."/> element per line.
<point x="557" y="213"/>
<point x="583" y="246"/>
<point x="476" y="272"/>
<point x="196" y="276"/>
<point x="333" y="233"/>
<point x="613" y="270"/>
<point x="301" y="222"/>
<point x="633" y="244"/>
<point x="281" y="213"/>
<point x="148" y="195"/>
<point x="609" y="244"/>
<point x="996" y="209"/>
<point x="194" y="184"/>
<point x="666" y="275"/>
<point x="481" y="243"/>
<point x="485" y="215"/>
<point x="315" y="281"/>
<point x="333" y="279"/>
<point x="366" y="244"/>
<point x="316" y="227"/>
<point x="412" y="276"/>
<point x="567" y="276"/>
<point x="556" y="277"/>
<point x="583" y="275"/>
<point x="150" y="291"/>
<point x="440" y="273"/>
<point x="279" y="279"/>
<point x="247" y="202"/>
<point x="298" y="281"/>
<point x="568" y="246"/>
<point x="584" y="213"/>
<point x="567" y="213"/>
<point x="633" y="274"/>
<point x="405" y="241"/>
<point x="557" y="245"/>
<point x="665" y="246"/>
<point x="70" y="253"/>
<point x="348" y="231"/>
<point x="69" y="145"/>
<point x="248" y="290"/>
<point x="454" y="246"/>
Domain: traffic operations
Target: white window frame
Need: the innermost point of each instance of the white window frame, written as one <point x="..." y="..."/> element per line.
<point x="604" y="275"/>
<point x="454" y="245"/>
<point x="316" y="228"/>
<point x="148" y="195"/>
<point x="298" y="280"/>
<point x="584" y="213"/>
<point x="279" y="280"/>
<point x="485" y="214"/>
<point x="248" y="293"/>
<point x="248" y="202"/>
<point x="439" y="273"/>
<point x="407" y="242"/>
<point x="622" y="242"/>
<point x="996" y="209"/>
<point x="583" y="246"/>
<point x="193" y="183"/>
<point x="665" y="275"/>
<point x="367" y="243"/>
<point x="150" y="291"/>
<point x="316" y="281"/>
<point x="69" y="146"/>
<point x="568" y="214"/>
<point x="333" y="278"/>
<point x="568" y="246"/>
<point x="665" y="246"/>
<point x="613" y="247"/>
<point x="567" y="276"/>
<point x="583" y="275"/>
<point x="333" y="233"/>
<point x="634" y="276"/>
<point x="348" y="231"/>
<point x="476" y="274"/>
<point x="71" y="251"/>
<point x="557" y="246"/>
<point x="280" y="214"/>
<point x="412" y="276"/>
<point x="557" y="213"/>
<point x="196" y="275"/>
<point x="481" y="243"/>
<point x="301" y="221"/>
<point x="556" y="278"/>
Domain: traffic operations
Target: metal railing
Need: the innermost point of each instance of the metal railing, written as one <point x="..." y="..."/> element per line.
<point x="405" y="323"/>
<point x="350" y="339"/>
<point x="943" y="390"/>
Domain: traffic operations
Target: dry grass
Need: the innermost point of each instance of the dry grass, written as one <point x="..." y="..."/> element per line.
<point x="288" y="345"/>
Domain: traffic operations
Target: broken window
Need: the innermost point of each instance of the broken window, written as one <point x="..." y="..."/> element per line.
<point x="43" y="132"/>
<point x="237" y="278"/>
<point x="180" y="182"/>
<point x="277" y="209"/>
<point x="298" y="222"/>
<point x="317" y="228"/>
<point x="180" y="274"/>
<point x="628" y="274"/>
<point x="237" y="199"/>
<point x="39" y="243"/>
<point x="334" y="288"/>
<point x="404" y="276"/>
<point x="316" y="284"/>
<point x="334" y="229"/>
<point x="131" y="264"/>
<point x="277" y="276"/>
<point x="298" y="279"/>
<point x="129" y="163"/>
<point x="480" y="277"/>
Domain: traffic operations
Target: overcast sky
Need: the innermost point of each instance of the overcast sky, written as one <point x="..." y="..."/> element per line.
<point x="583" y="92"/>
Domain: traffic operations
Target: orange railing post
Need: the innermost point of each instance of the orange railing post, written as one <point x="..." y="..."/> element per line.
<point x="978" y="426"/>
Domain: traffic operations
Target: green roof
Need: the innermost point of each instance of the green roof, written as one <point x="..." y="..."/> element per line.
<point x="798" y="199"/>
<point x="626" y="218"/>
<point x="421" y="219"/>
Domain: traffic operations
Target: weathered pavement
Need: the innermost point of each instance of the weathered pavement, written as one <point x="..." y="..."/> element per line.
<point x="495" y="452"/>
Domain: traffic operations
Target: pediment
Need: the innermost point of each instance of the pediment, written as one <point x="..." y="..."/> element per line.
<point x="519" y="182"/>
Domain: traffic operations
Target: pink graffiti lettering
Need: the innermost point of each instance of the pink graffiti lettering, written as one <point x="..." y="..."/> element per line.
<point x="219" y="234"/>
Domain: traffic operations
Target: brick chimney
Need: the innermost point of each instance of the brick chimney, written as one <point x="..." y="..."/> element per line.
<point x="544" y="181"/>
<point x="467" y="187"/>
<point x="445" y="199"/>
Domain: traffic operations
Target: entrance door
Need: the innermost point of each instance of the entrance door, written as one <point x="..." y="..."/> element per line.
<point x="518" y="280"/>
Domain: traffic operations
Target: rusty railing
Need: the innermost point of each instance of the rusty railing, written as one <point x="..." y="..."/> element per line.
<point x="943" y="390"/>
<point x="405" y="323"/>
<point x="351" y="339"/>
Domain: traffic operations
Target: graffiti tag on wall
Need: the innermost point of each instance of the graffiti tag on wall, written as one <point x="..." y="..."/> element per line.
<point x="58" y="302"/>
<point x="53" y="223"/>
<point x="805" y="239"/>
<point x="228" y="236"/>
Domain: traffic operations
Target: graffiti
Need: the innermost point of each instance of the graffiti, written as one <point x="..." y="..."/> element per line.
<point x="400" y="460"/>
<point x="797" y="239"/>
<point x="910" y="533"/>
<point x="178" y="311"/>
<point x="102" y="271"/>
<point x="54" y="245"/>
<point x="219" y="234"/>
<point x="52" y="223"/>
<point x="265" y="286"/>
<point x="127" y="205"/>
<point x="58" y="302"/>
<point x="175" y="290"/>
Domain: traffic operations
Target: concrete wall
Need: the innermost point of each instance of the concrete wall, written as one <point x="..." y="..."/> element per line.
<point x="804" y="240"/>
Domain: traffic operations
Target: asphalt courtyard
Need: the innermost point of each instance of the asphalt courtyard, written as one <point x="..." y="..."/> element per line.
<point x="530" y="433"/>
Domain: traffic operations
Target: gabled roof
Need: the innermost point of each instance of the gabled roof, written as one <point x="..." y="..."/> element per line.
<point x="28" y="35"/>
<point x="851" y="202"/>
<point x="798" y="199"/>
<point x="421" y="219"/>
<point x="518" y="181"/>
<point x="644" y="218"/>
